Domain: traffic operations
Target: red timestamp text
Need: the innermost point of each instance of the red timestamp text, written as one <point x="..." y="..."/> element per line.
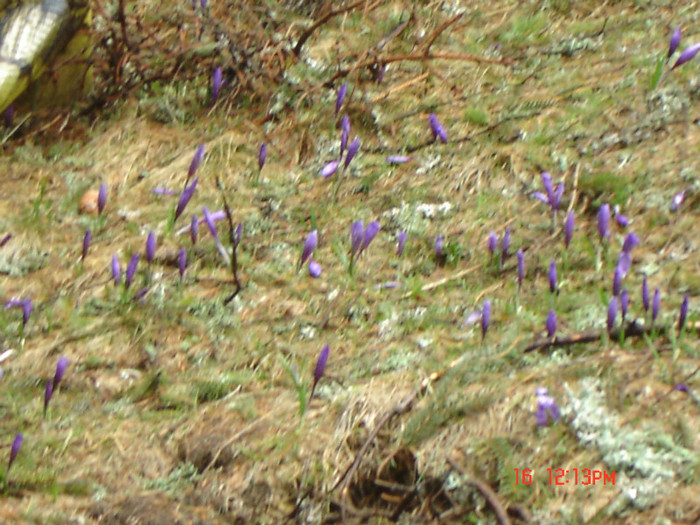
<point x="571" y="476"/>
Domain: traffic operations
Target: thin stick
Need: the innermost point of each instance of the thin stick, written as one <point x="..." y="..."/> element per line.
<point x="306" y="34"/>
<point x="487" y="492"/>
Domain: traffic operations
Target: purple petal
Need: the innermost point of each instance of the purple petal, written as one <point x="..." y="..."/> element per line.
<point x="150" y="246"/>
<point x="196" y="161"/>
<point x="341" y="97"/>
<point x="370" y="233"/>
<point x="687" y="55"/>
<point x="61" y="367"/>
<point x="159" y="190"/>
<point x="540" y="197"/>
<point x="344" y="133"/>
<point x="185" y="197"/>
<point x="194" y="228"/>
<point x="116" y="270"/>
<point x="14" y="450"/>
<point x="87" y="238"/>
<point x="321" y="363"/>
<point x="485" y="318"/>
<point x="631" y="241"/>
<point x="309" y="247"/>
<point x="314" y="269"/>
<point x="612" y="313"/>
<point x="655" y="304"/>
<point x="548" y="187"/>
<point x="398" y="159"/>
<point x="401" y="243"/>
<point x="216" y="82"/>
<point x="437" y="128"/>
<point x="569" y="228"/>
<point x="604" y="221"/>
<point x="675" y="40"/>
<point x="352" y="151"/>
<point x="330" y="168"/>
<point x="4" y="240"/>
<point x="102" y="198"/>
<point x="677" y="200"/>
<point x="131" y="269"/>
<point x="357" y="231"/>
<point x="262" y="155"/>
<point x="182" y="262"/>
<point x="551" y="323"/>
<point x="210" y="222"/>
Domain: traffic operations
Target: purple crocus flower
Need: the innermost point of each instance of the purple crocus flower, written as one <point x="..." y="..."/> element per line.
<point x="101" y="198"/>
<point x="314" y="269"/>
<point x="546" y="407"/>
<point x="398" y="159"/>
<point x="182" y="262"/>
<point x="621" y="220"/>
<point x="552" y="276"/>
<point x="369" y="234"/>
<point x="624" y="303"/>
<point x="238" y="233"/>
<point x="116" y="270"/>
<point x="439" y="242"/>
<point x="341" y="97"/>
<point x="401" y="243"/>
<point x="309" y="247"/>
<point x="485" y="318"/>
<point x="357" y="230"/>
<point x="160" y="190"/>
<point x="140" y="295"/>
<point x="675" y="40"/>
<point x="352" y="151"/>
<point x="4" y="240"/>
<point x="645" y="294"/>
<point x="14" y="450"/>
<point x="551" y="323"/>
<point x="521" y="267"/>
<point x="61" y="367"/>
<point x="604" y="221"/>
<point x="612" y="313"/>
<point x="683" y="313"/>
<point x="320" y="368"/>
<point x="216" y="81"/>
<point x="681" y="387"/>
<point x="27" y="308"/>
<point x="655" y="303"/>
<point x="617" y="281"/>
<point x="150" y="246"/>
<point x="548" y="186"/>
<point x="569" y="228"/>
<point x="48" y="392"/>
<point x="185" y="197"/>
<point x="687" y="55"/>
<point x="492" y="242"/>
<point x="677" y="200"/>
<point x="87" y="238"/>
<point x="631" y="241"/>
<point x="209" y="221"/>
<point x="194" y="229"/>
<point x="196" y="161"/>
<point x="505" y="244"/>
<point x="558" y="194"/>
<point x="262" y="156"/>
<point x="344" y="133"/>
<point x="624" y="262"/>
<point x="437" y="128"/>
<point x="330" y="168"/>
<point x="131" y="269"/>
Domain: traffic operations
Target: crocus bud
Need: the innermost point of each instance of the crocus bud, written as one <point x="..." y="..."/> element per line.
<point x="320" y="367"/>
<point x="314" y="269"/>
<point x="556" y="201"/>
<point x="485" y="318"/>
<point x="150" y="247"/>
<point x="548" y="187"/>
<point x="631" y="241"/>
<point x="617" y="281"/>
<point x="131" y="269"/>
<point x="116" y="270"/>
<point x="357" y="230"/>
<point x="27" y="308"/>
<point x="398" y="159"/>
<point x="369" y="234"/>
<point x="621" y="220"/>
<point x="546" y="408"/>
<point x="61" y="367"/>
<point x="521" y="267"/>
<point x="185" y="197"/>
<point x="612" y="313"/>
<point x="330" y="168"/>
<point x="341" y="97"/>
<point x="551" y="323"/>
<point x="14" y="450"/>
<point x="604" y="222"/>
<point x="687" y="55"/>
<point x="655" y="303"/>
<point x="683" y="313"/>
<point x="194" y="228"/>
<point x="675" y="40"/>
<point x="352" y="151"/>
<point x="344" y="133"/>
<point x="101" y="198"/>
<point x="439" y="242"/>
<point x="87" y="239"/>
<point x="552" y="276"/>
<point x="196" y="161"/>
<point x="645" y="294"/>
<point x="309" y="247"/>
<point x="437" y="128"/>
<point x="182" y="262"/>
<point x="262" y="155"/>
<point x="569" y="229"/>
<point x="677" y="200"/>
<point x="216" y="81"/>
<point x="492" y="242"/>
<point x="401" y="243"/>
<point x="48" y="392"/>
<point x="624" y="303"/>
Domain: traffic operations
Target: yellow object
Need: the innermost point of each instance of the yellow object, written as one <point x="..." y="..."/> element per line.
<point x="32" y="35"/>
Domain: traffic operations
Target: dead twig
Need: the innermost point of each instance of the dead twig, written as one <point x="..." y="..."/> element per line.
<point x="325" y="18"/>
<point x="435" y="34"/>
<point x="487" y="492"/>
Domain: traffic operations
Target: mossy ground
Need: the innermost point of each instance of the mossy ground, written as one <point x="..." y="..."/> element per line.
<point x="180" y="408"/>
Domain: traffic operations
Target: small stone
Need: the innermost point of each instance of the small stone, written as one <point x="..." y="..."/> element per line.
<point x="88" y="202"/>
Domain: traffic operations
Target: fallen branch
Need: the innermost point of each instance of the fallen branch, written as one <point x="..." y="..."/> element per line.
<point x="487" y="492"/>
<point x="325" y="18"/>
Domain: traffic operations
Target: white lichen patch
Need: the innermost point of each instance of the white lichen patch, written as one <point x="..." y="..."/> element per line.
<point x="416" y="217"/>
